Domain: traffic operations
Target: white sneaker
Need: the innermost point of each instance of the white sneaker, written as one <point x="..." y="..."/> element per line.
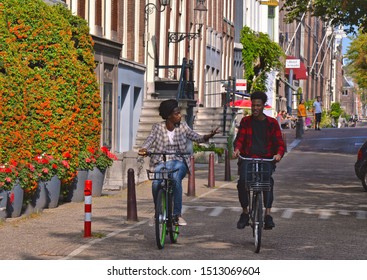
<point x="181" y="221"/>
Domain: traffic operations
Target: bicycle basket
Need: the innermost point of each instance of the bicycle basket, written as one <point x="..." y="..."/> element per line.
<point x="163" y="174"/>
<point x="258" y="175"/>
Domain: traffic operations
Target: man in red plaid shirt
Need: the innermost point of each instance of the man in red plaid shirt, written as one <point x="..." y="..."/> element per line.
<point x="259" y="136"/>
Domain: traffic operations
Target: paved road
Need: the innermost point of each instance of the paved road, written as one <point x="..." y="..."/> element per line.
<point x="319" y="211"/>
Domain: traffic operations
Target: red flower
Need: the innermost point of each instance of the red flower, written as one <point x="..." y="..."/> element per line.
<point x="66" y="155"/>
<point x="11" y="197"/>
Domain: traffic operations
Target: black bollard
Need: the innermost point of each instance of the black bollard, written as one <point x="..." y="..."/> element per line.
<point x="131" y="197"/>
<point x="227" y="168"/>
<point x="285" y="142"/>
<point x="191" y="181"/>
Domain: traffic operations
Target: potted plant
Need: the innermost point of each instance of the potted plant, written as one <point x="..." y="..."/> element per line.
<point x="8" y="175"/>
<point x="8" y="181"/>
<point x="86" y="161"/>
<point x="44" y="174"/>
<point x="202" y="152"/>
<point x="104" y="159"/>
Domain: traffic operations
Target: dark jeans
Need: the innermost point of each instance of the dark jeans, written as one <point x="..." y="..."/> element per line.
<point x="318" y="117"/>
<point x="242" y="190"/>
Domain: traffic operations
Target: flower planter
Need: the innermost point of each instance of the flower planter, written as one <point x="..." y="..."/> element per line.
<point x="53" y="188"/>
<point x="3" y="202"/>
<point x="203" y="157"/>
<point x="15" y="201"/>
<point x="38" y="200"/>
<point x="97" y="177"/>
<point x="76" y="190"/>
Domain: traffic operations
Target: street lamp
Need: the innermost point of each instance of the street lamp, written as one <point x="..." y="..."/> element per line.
<point x="199" y="15"/>
<point x="150" y="7"/>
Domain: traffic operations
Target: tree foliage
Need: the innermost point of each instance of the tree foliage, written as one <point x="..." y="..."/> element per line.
<point x="49" y="95"/>
<point x="357" y="60"/>
<point x="260" y="55"/>
<point x="351" y="13"/>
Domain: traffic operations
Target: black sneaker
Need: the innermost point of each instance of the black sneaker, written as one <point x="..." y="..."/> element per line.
<point x="269" y="224"/>
<point x="243" y="221"/>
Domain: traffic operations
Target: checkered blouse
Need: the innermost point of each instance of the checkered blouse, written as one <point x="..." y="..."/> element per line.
<point x="158" y="141"/>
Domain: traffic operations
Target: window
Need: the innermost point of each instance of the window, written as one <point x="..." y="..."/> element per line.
<point x="81" y="8"/>
<point x="98" y="19"/>
<point x="271" y="12"/>
<point x="107" y="115"/>
<point x="114" y="15"/>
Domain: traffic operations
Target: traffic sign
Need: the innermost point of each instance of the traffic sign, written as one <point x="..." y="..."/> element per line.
<point x="292" y="63"/>
<point x="241" y="84"/>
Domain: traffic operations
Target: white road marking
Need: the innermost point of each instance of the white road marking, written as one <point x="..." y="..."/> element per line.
<point x="287" y="213"/>
<point x="216" y="211"/>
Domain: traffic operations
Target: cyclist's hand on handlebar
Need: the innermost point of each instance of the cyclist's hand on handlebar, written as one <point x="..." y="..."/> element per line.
<point x="277" y="157"/>
<point x="236" y="153"/>
<point x="143" y="152"/>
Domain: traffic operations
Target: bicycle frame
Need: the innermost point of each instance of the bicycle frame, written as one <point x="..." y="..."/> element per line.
<point x="257" y="179"/>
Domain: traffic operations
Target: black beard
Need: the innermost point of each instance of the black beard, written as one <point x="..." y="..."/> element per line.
<point x="177" y="124"/>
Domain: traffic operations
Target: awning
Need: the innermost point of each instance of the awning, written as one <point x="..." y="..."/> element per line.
<point x="244" y="103"/>
<point x="298" y="73"/>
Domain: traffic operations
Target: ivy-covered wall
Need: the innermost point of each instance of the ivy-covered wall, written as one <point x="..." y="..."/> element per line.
<point x="49" y="96"/>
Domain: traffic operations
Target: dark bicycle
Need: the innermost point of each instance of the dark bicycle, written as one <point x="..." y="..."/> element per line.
<point x="257" y="180"/>
<point x="165" y="222"/>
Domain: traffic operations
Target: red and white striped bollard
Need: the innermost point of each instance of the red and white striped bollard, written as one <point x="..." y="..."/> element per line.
<point x="88" y="208"/>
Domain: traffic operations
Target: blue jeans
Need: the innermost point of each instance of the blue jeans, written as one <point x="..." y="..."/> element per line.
<point x="177" y="190"/>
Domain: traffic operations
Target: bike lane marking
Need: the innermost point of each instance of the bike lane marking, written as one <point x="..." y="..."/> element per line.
<point x="94" y="241"/>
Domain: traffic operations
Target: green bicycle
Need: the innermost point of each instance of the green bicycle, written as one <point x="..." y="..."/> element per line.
<point x="165" y="222"/>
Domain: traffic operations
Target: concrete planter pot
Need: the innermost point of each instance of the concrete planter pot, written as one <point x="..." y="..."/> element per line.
<point x="203" y="157"/>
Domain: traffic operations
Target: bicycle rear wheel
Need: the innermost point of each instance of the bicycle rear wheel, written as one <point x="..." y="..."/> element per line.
<point x="173" y="227"/>
<point x="257" y="220"/>
<point x="161" y="219"/>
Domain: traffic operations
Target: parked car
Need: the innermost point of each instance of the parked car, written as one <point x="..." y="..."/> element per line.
<point x="361" y="165"/>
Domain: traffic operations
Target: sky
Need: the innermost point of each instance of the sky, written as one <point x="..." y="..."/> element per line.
<point x="345" y="44"/>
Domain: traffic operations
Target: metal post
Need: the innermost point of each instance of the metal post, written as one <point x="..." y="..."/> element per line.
<point x="227" y="169"/>
<point x="285" y="142"/>
<point x="131" y="197"/>
<point x="289" y="96"/>
<point x="191" y="181"/>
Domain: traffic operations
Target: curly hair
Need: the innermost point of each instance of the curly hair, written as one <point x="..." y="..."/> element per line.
<point x="166" y="108"/>
<point x="259" y="95"/>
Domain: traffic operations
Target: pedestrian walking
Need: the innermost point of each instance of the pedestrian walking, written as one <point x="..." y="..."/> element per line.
<point x="317" y="105"/>
<point x="302" y="114"/>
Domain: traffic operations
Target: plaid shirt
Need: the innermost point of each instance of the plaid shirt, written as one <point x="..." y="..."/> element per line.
<point x="274" y="139"/>
<point x="158" y="141"/>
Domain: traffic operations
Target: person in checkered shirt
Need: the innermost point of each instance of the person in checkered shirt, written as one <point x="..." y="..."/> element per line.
<point x="172" y="135"/>
<point x="259" y="136"/>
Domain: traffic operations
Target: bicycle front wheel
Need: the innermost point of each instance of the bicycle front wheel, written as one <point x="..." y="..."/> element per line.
<point x="173" y="227"/>
<point x="257" y="220"/>
<point x="161" y="219"/>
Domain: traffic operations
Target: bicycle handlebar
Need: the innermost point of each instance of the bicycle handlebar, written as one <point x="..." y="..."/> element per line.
<point x="256" y="159"/>
<point x="164" y="153"/>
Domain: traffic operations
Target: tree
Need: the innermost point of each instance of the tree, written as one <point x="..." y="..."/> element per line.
<point x="357" y="60"/>
<point x="260" y="55"/>
<point x="351" y="13"/>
